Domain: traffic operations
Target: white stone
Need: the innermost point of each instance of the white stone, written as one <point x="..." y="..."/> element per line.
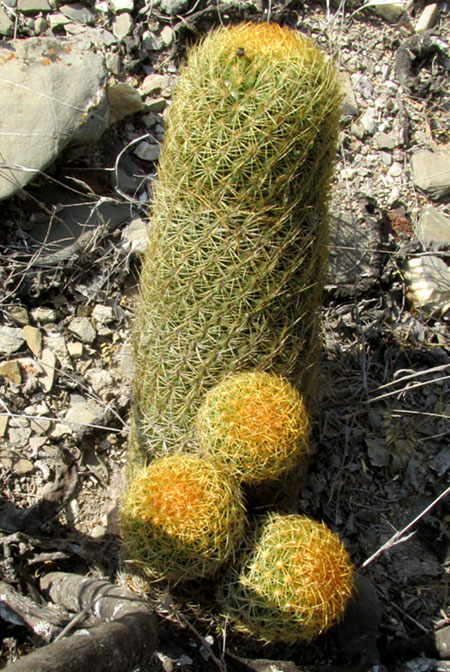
<point x="122" y="25"/>
<point x="167" y="36"/>
<point x="48" y="362"/>
<point x="118" y="6"/>
<point x="11" y="340"/>
<point x="429" y="283"/>
<point x="427" y="18"/>
<point x="395" y="170"/>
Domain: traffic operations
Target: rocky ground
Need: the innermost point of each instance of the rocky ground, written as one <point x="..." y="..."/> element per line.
<point x="71" y="232"/>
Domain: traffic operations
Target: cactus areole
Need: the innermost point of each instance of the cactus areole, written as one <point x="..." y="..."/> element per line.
<point x="234" y="270"/>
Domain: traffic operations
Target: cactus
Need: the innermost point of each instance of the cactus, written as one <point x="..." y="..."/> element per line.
<point x="292" y="582"/>
<point x="234" y="270"/>
<point x="181" y="518"/>
<point x="256" y="423"/>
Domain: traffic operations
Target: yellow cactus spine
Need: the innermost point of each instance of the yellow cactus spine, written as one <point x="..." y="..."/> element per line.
<point x="181" y="518"/>
<point x="292" y="583"/>
<point x="256" y="424"/>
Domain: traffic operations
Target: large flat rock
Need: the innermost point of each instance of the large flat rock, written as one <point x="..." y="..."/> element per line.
<point x="51" y="95"/>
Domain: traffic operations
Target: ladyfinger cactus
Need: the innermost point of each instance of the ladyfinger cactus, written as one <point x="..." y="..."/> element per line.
<point x="233" y="273"/>
<point x="292" y="583"/>
<point x="256" y="424"/>
<point x="181" y="518"/>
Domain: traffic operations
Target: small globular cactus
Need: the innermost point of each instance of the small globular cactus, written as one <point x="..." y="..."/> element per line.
<point x="256" y="424"/>
<point x="181" y="518"/>
<point x="292" y="583"/>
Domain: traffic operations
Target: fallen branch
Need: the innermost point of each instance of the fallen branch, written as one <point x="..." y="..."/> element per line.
<point x="44" y="621"/>
<point x="125" y="639"/>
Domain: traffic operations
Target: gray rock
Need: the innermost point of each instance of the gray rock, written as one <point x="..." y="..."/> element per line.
<point x="34" y="6"/>
<point x="43" y="315"/>
<point x="431" y="172"/>
<point x="152" y="42"/>
<point x="122" y="25"/>
<point x="135" y="235"/>
<point x="173" y="7"/>
<point x="395" y="170"/>
<point x="6" y="24"/>
<point x="58" y="20"/>
<point x="385" y="141"/>
<point x="156" y="105"/>
<point x="349" y="104"/>
<point x="40" y="25"/>
<point x="83" y="328"/>
<point x="154" y="84"/>
<point x="11" y="340"/>
<point x="147" y="152"/>
<point x="80" y="13"/>
<point x="432" y="227"/>
<point x="56" y="342"/>
<point x="19" y="315"/>
<point x="103" y="314"/>
<point x="19" y="436"/>
<point x="51" y="95"/>
<point x="368" y="121"/>
<point x="124" y="100"/>
<point x="391" y="11"/>
<point x="81" y="414"/>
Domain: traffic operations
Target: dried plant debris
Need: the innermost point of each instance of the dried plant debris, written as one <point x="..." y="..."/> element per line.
<point x="70" y="246"/>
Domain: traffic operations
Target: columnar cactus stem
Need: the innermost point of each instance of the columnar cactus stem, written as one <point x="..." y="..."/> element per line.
<point x="233" y="275"/>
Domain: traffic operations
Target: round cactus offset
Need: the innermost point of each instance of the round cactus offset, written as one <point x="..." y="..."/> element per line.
<point x="233" y="274"/>
<point x="255" y="423"/>
<point x="181" y="517"/>
<point x="292" y="584"/>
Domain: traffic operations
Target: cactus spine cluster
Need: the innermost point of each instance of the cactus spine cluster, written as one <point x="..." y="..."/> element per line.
<point x="181" y="518"/>
<point x="256" y="424"/>
<point x="231" y="282"/>
<point x="292" y="583"/>
<point x="234" y="270"/>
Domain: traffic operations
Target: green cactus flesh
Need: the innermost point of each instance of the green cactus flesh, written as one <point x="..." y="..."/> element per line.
<point x="256" y="423"/>
<point x="181" y="518"/>
<point x="234" y="270"/>
<point x="292" y="582"/>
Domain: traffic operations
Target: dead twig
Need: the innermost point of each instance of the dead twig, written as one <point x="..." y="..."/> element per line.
<point x="398" y="537"/>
